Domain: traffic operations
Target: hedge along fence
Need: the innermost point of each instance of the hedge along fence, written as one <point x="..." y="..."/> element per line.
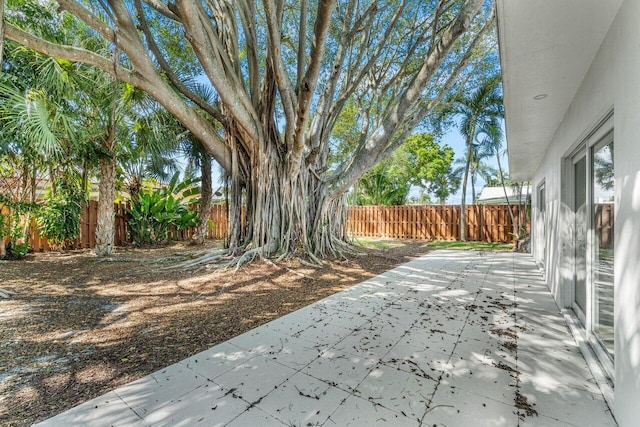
<point x="490" y="223"/>
<point x="218" y="227"/>
<point x="88" y="223"/>
<point x="5" y="211"/>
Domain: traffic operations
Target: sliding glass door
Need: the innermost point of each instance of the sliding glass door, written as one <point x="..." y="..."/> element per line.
<point x="592" y="242"/>
<point x="580" y="235"/>
<point x="602" y="211"/>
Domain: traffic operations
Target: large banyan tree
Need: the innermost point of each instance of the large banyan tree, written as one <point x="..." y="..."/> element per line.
<point x="283" y="71"/>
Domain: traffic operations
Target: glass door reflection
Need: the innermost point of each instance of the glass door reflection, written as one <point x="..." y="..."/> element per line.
<point x="603" y="226"/>
<point x="580" y="235"/>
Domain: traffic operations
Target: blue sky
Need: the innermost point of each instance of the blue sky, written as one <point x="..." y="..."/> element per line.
<point x="456" y="141"/>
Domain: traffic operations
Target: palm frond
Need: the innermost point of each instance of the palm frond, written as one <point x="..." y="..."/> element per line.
<point x="28" y="116"/>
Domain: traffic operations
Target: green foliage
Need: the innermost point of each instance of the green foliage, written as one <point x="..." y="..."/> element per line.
<point x="59" y="217"/>
<point x="418" y="162"/>
<point x="11" y="226"/>
<point x="345" y="133"/>
<point x="156" y="212"/>
<point x="383" y="185"/>
<point x="429" y="166"/>
<point x="17" y="251"/>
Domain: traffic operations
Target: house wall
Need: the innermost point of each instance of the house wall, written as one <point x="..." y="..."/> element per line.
<point x="612" y="83"/>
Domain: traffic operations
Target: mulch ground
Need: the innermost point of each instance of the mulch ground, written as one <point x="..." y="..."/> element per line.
<point x="77" y="326"/>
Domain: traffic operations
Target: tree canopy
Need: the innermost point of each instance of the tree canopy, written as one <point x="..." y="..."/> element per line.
<point x="283" y="72"/>
<point x="420" y="163"/>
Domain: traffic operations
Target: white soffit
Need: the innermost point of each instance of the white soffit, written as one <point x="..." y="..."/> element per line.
<point x="546" y="48"/>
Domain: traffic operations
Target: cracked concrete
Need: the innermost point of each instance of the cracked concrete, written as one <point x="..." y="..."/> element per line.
<point x="451" y="339"/>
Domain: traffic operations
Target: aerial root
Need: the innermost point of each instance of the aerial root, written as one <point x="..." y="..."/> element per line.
<point x="309" y="264"/>
<point x="204" y="258"/>
<point x="223" y="258"/>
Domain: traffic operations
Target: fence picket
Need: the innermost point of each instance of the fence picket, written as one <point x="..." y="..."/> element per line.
<point x="490" y="223"/>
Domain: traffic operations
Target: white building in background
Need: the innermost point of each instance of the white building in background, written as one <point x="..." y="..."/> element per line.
<point x="497" y="196"/>
<point x="571" y="76"/>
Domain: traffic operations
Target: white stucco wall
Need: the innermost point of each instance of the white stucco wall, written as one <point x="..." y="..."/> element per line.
<point x="612" y="82"/>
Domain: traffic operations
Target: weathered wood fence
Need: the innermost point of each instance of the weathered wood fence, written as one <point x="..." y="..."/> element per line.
<point x="491" y="223"/>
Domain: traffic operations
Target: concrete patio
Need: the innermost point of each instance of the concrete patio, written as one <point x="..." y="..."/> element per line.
<point x="451" y="339"/>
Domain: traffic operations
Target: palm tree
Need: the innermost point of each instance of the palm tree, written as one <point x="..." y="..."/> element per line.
<point x="383" y="186"/>
<point x="196" y="154"/>
<point x="480" y="169"/>
<point x="473" y="110"/>
<point x="38" y="127"/>
<point x="199" y="159"/>
<point x="490" y="142"/>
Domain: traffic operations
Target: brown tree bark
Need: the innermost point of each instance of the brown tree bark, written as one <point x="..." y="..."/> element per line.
<point x="105" y="230"/>
<point x="206" y="197"/>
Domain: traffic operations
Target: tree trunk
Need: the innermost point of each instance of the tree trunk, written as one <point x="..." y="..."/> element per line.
<point x="463" y="204"/>
<point x="288" y="210"/>
<point x="105" y="231"/>
<point x="85" y="179"/>
<point x="473" y="188"/>
<point x="506" y="197"/>
<point x="206" y="196"/>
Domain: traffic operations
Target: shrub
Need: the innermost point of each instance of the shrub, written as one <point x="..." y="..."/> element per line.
<point x="17" y="251"/>
<point x="59" y="217"/>
<point x="10" y="226"/>
<point x="158" y="212"/>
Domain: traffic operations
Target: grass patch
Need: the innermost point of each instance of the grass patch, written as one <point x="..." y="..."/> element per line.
<point x="387" y="243"/>
<point x="474" y="246"/>
<point x="379" y="242"/>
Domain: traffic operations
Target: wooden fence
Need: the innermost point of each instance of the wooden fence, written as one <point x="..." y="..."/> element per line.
<point x="427" y="222"/>
<point x="88" y="224"/>
<point x="490" y="223"/>
<point x="218" y="225"/>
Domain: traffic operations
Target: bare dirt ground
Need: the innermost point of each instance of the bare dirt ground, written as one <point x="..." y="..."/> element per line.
<point x="77" y="326"/>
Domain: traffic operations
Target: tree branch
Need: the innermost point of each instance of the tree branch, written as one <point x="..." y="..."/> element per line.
<point x="247" y="18"/>
<point x="71" y="53"/>
<point x="280" y="72"/>
<point x="302" y="42"/>
<point x="232" y="96"/>
<point x="162" y="9"/>
<point x="372" y="151"/>
<point x="164" y="65"/>
<point x="308" y="84"/>
<point x="353" y="82"/>
<point x="88" y="18"/>
<point x="151" y="83"/>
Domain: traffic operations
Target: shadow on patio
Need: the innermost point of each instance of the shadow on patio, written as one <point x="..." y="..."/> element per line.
<point x="453" y="338"/>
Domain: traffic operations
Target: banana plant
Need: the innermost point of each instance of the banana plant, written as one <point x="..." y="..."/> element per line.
<point x="156" y="213"/>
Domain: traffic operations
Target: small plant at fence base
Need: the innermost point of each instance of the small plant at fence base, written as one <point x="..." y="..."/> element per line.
<point x="12" y="222"/>
<point x="59" y="217"/>
<point x="157" y="213"/>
